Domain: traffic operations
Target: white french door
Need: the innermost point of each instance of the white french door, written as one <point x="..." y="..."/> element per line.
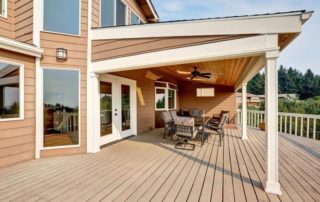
<point x="117" y="108"/>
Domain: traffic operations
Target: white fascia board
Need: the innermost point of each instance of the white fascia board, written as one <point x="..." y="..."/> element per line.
<point x="15" y="46"/>
<point x="228" y="26"/>
<point x="249" y="46"/>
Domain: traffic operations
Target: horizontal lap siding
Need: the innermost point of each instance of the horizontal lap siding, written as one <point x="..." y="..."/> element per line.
<point x="95" y="13"/>
<point x="23" y="26"/>
<point x="109" y="49"/>
<point x="77" y="59"/>
<point x="17" y="138"/>
<point x="145" y="102"/>
<point x="6" y="24"/>
<point x="224" y="99"/>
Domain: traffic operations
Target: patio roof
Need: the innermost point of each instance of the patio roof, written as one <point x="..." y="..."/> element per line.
<point x="147" y="168"/>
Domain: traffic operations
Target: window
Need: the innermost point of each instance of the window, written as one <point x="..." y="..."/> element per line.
<point x="3" y="8"/>
<point x="135" y="20"/>
<point x="205" y="92"/>
<point x="11" y="93"/>
<point x="60" y="107"/>
<point x="62" y="16"/>
<point x="165" y="96"/>
<point x="113" y="13"/>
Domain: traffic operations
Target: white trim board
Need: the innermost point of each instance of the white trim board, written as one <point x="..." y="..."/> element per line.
<point x="263" y="24"/>
<point x="23" y="48"/>
<point x="250" y="46"/>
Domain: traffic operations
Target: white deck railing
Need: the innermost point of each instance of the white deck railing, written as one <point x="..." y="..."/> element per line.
<point x="304" y="125"/>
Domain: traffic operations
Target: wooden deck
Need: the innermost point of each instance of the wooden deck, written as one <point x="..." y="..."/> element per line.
<point x="147" y="168"/>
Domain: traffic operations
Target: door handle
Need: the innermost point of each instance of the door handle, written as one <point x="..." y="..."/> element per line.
<point x="116" y="114"/>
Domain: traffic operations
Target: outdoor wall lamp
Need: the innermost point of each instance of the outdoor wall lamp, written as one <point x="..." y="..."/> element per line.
<point x="61" y="54"/>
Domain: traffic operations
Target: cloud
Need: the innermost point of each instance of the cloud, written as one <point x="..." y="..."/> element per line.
<point x="303" y="53"/>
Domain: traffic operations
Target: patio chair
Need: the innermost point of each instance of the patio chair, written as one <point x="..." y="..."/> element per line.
<point x="216" y="119"/>
<point x="174" y="115"/>
<point x="185" y="130"/>
<point x="168" y="124"/>
<point x="212" y="128"/>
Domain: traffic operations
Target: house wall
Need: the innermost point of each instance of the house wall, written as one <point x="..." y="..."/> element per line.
<point x="77" y="59"/>
<point x="23" y="22"/>
<point x="6" y="24"/>
<point x="145" y="99"/>
<point x="132" y="6"/>
<point x="17" y="138"/>
<point x="224" y="99"/>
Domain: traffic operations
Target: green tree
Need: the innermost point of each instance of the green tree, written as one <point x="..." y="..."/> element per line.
<point x="307" y="90"/>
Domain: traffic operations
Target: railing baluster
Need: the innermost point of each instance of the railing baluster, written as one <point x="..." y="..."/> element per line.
<point x="285" y="124"/>
<point x="301" y="127"/>
<point x="290" y="126"/>
<point x="308" y="127"/>
<point x="296" y="126"/>
<point x="280" y="124"/>
<point x="314" y="128"/>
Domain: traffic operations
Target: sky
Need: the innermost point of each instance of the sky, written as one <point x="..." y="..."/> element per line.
<point x="303" y="53"/>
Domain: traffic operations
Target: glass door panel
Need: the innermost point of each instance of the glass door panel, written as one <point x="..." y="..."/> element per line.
<point x="125" y="107"/>
<point x="105" y="108"/>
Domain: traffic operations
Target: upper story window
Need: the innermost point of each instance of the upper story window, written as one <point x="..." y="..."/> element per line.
<point x="11" y="91"/>
<point x="62" y="16"/>
<point x="135" y="20"/>
<point x="113" y="13"/>
<point x="3" y="8"/>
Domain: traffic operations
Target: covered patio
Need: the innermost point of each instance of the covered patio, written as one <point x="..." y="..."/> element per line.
<point x="148" y="168"/>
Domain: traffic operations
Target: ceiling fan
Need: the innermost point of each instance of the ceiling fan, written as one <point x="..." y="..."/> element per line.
<point x="195" y="74"/>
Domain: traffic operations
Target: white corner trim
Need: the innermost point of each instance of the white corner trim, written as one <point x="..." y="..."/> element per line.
<point x="15" y="46"/>
<point x="250" y="46"/>
<point x="224" y="26"/>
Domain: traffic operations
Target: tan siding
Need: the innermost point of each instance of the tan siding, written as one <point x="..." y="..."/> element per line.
<point x="17" y="138"/>
<point x="224" y="99"/>
<point x="23" y="24"/>
<point x="108" y="49"/>
<point x="77" y="59"/>
<point x="145" y="102"/>
<point x="95" y="13"/>
<point x="6" y="24"/>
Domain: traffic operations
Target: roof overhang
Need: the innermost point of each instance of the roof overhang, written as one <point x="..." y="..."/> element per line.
<point x="289" y="22"/>
<point x="149" y="10"/>
<point x="18" y="47"/>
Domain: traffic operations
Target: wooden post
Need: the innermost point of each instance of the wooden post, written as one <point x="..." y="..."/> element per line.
<point x="272" y="184"/>
<point x="244" y="112"/>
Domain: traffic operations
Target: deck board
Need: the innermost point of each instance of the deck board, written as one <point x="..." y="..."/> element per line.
<point x="148" y="168"/>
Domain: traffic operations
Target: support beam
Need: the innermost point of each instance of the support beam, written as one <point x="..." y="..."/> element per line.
<point x="244" y="112"/>
<point x="93" y="112"/>
<point x="271" y="184"/>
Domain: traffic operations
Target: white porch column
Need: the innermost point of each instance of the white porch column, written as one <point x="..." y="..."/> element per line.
<point x="271" y="93"/>
<point x="93" y="118"/>
<point x="244" y="112"/>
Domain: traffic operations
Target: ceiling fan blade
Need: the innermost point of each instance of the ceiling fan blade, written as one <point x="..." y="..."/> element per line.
<point x="183" y="72"/>
<point x="205" y="74"/>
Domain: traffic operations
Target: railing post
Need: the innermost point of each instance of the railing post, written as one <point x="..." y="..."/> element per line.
<point x="271" y="184"/>
<point x="314" y="128"/>
<point x="244" y="111"/>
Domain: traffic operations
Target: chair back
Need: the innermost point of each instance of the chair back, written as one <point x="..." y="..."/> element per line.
<point x="223" y="120"/>
<point x="223" y="112"/>
<point x="167" y="117"/>
<point x="174" y="115"/>
<point x="196" y="112"/>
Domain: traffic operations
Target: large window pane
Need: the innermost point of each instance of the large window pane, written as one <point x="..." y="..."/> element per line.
<point x="171" y="99"/>
<point x="107" y="13"/>
<point x="9" y="91"/>
<point x="121" y="13"/>
<point x="160" y="98"/>
<point x="134" y="19"/>
<point x="62" y="16"/>
<point x="61" y="107"/>
<point x="105" y="108"/>
<point x="125" y="107"/>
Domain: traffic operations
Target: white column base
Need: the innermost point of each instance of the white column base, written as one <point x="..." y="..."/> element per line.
<point x="272" y="188"/>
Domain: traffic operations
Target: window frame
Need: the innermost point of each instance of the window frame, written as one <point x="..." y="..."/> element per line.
<point x="42" y="147"/>
<point x="134" y="13"/>
<point x="61" y="33"/>
<point x="114" y="13"/>
<point x="21" y="92"/>
<point x="4" y="12"/>
<point x="166" y="90"/>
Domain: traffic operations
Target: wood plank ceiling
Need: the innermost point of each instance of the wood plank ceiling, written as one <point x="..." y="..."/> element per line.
<point x="224" y="72"/>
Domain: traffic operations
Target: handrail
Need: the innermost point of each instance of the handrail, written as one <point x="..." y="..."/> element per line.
<point x="304" y="125"/>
